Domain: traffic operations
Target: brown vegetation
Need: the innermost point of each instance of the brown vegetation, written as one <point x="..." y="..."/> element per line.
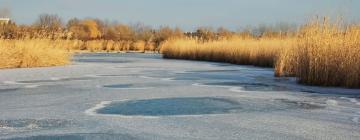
<point x="32" y="53"/>
<point x="258" y="52"/>
<point x="326" y="54"/>
<point x="320" y="53"/>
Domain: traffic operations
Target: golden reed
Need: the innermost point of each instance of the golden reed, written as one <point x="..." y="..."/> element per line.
<point x="321" y="53"/>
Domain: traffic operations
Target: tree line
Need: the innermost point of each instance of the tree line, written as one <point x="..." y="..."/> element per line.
<point x="52" y="27"/>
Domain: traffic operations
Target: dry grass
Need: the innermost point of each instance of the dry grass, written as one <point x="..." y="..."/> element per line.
<point x="32" y="53"/>
<point x="322" y="53"/>
<point x="46" y="52"/>
<point x="326" y="55"/>
<point x="258" y="52"/>
<point x="107" y="46"/>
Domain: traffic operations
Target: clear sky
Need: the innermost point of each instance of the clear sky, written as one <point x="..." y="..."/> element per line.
<point x="187" y="14"/>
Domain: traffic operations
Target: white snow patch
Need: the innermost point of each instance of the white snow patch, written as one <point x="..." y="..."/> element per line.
<point x="331" y="102"/>
<point x="12" y="82"/>
<point x="92" y="111"/>
<point x="91" y="75"/>
<point x="198" y="84"/>
<point x="167" y="79"/>
<point x="147" y="77"/>
<point x="182" y="72"/>
<point x="237" y="89"/>
<point x="356" y="119"/>
<point x="55" y="78"/>
<point x="32" y="86"/>
<point x="32" y="126"/>
<point x="7" y="128"/>
<point x="352" y="100"/>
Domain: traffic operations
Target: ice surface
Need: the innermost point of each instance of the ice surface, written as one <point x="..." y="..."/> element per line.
<point x="190" y="100"/>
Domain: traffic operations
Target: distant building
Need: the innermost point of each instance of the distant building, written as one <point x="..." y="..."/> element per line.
<point x="4" y="20"/>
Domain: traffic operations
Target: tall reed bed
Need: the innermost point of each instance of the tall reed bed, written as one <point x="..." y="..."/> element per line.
<point x="321" y="53"/>
<point x="107" y="45"/>
<point x="326" y="54"/>
<point x="32" y="53"/>
<point x="22" y="53"/>
<point x="258" y="52"/>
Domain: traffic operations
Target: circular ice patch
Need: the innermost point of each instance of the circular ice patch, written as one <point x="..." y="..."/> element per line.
<point x="171" y="106"/>
<point x="196" y="106"/>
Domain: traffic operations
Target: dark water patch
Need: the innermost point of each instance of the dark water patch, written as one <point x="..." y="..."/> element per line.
<point x="79" y="136"/>
<point x="329" y="91"/>
<point x="33" y="123"/>
<point x="135" y="85"/>
<point x="281" y="79"/>
<point x="119" y="86"/>
<point x="171" y="107"/>
<point x="271" y="79"/>
<point x="36" y="81"/>
<point x="200" y="106"/>
<point x="308" y="91"/>
<point x="187" y="78"/>
<point x="300" y="104"/>
<point x="250" y="86"/>
<point x="8" y="90"/>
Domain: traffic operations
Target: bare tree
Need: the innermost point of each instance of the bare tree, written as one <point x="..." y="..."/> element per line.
<point x="142" y="32"/>
<point x="49" y="22"/>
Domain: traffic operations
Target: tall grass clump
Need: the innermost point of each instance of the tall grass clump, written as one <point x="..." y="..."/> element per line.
<point x="250" y="51"/>
<point x="327" y="54"/>
<point x="32" y="53"/>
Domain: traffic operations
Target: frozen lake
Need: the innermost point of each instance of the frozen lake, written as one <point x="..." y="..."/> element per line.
<point x="142" y="96"/>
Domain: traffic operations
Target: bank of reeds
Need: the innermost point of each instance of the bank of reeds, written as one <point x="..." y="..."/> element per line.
<point x="321" y="53"/>
<point x="326" y="54"/>
<point x="21" y="53"/>
<point x="32" y="53"/>
<point x="259" y="52"/>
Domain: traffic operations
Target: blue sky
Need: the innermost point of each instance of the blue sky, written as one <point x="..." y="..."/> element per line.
<point x="187" y="14"/>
